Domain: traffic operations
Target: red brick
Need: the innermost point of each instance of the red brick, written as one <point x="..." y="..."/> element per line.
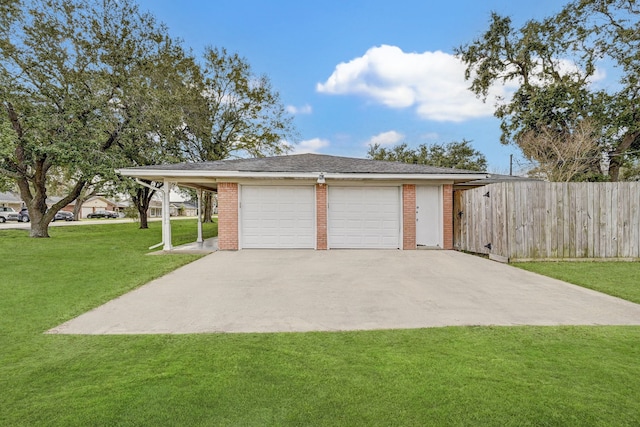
<point x="321" y="216"/>
<point x="228" y="216"/>
<point x="409" y="217"/>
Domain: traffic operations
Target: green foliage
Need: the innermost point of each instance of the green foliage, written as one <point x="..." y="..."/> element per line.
<point x="87" y="86"/>
<point x="631" y="171"/>
<point x="132" y="213"/>
<point x="7" y="145"/>
<point x="458" y="155"/>
<point x="241" y="114"/>
<point x="553" y="62"/>
<point x="509" y="376"/>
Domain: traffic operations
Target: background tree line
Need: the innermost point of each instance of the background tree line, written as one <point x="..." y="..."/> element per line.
<point x="89" y="86"/>
<point x="458" y="155"/>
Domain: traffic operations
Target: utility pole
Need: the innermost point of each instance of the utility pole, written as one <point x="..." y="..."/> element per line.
<point x="510" y="164"/>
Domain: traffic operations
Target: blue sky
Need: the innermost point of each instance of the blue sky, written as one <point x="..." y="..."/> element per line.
<point x="356" y="72"/>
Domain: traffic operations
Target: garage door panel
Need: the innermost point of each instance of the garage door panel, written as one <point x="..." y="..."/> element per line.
<point x="364" y="217"/>
<point x="278" y="217"/>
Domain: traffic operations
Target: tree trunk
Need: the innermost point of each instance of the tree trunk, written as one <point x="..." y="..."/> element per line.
<point x="207" y="208"/>
<point x="616" y="156"/>
<point x="77" y="209"/>
<point x="141" y="199"/>
<point x="39" y="226"/>
<point x="142" y="213"/>
<point x="36" y="203"/>
<point x="614" y="168"/>
<point x="40" y="218"/>
<point x="40" y="215"/>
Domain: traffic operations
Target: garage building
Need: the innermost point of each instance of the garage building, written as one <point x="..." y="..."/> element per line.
<point x="314" y="201"/>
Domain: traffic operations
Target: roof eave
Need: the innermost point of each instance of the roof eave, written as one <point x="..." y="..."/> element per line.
<point x="169" y="174"/>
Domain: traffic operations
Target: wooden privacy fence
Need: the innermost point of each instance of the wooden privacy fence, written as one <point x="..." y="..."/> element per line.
<point x="516" y="221"/>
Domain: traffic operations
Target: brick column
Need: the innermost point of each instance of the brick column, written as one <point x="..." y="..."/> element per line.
<point x="447" y="216"/>
<point x="321" y="216"/>
<point x="408" y="217"/>
<point x="228" y="216"/>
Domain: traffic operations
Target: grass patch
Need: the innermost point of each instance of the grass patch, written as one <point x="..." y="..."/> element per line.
<point x="443" y="376"/>
<point x="620" y="279"/>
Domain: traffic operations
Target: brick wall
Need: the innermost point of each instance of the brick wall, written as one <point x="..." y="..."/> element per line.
<point x="447" y="215"/>
<point x="321" y="216"/>
<point x="408" y="216"/>
<point x="228" y="216"/>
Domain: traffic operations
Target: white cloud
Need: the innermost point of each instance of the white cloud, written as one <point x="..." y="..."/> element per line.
<point x="386" y="138"/>
<point x="310" y="146"/>
<point x="430" y="82"/>
<point x="305" y="109"/>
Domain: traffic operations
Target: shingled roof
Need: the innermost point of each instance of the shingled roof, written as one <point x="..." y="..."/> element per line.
<point x="308" y="163"/>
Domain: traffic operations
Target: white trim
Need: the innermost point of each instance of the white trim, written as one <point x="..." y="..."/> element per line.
<point x="401" y="225"/>
<point x="239" y="218"/>
<point x="315" y="216"/>
<point x="199" y="210"/>
<point x="295" y="175"/>
<point x="166" y="216"/>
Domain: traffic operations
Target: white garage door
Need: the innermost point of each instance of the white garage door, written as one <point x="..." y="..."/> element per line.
<point x="364" y="217"/>
<point x="85" y="211"/>
<point x="277" y="217"/>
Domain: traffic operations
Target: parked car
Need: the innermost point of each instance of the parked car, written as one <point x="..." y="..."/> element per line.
<point x="23" y="216"/>
<point x="8" y="214"/>
<point x="63" y="215"/>
<point x="103" y="214"/>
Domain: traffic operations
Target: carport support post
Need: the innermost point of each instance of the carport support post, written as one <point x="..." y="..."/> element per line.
<point x="166" y="222"/>
<point x="199" y="240"/>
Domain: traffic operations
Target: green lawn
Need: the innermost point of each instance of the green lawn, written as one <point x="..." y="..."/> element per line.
<point x="443" y="376"/>
<point x="620" y="279"/>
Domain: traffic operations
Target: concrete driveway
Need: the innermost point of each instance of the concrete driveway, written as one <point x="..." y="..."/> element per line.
<point x="298" y="290"/>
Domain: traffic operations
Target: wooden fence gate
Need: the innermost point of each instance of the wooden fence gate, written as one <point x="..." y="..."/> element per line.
<point x="517" y="221"/>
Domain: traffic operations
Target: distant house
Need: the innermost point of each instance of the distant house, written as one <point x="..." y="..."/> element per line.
<point x="155" y="209"/>
<point x="183" y="209"/>
<point x="100" y="203"/>
<point x="93" y="204"/>
<point x="175" y="209"/>
<point x="11" y="199"/>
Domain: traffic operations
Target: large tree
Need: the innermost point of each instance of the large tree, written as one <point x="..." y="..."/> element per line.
<point x="554" y="63"/>
<point x="240" y="114"/>
<point x="157" y="94"/>
<point x="458" y="155"/>
<point x="80" y="90"/>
